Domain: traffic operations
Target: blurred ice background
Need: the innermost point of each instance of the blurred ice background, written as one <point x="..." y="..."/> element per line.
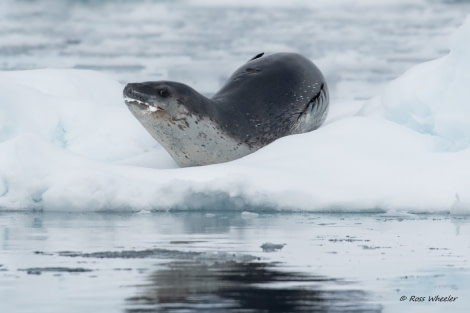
<point x="360" y="45"/>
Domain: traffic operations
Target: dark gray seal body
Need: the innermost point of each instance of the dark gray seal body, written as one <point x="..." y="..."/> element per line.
<point x="267" y="98"/>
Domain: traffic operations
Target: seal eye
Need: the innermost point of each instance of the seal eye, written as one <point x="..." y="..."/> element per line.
<point x="164" y="93"/>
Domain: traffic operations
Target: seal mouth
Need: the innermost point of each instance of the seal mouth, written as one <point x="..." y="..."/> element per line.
<point x="136" y="98"/>
<point x="144" y="105"/>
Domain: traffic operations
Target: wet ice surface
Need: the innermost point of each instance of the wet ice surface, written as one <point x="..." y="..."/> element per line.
<point x="168" y="262"/>
<point x="214" y="262"/>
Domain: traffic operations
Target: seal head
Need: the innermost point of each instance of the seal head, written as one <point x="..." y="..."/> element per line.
<point x="267" y="98"/>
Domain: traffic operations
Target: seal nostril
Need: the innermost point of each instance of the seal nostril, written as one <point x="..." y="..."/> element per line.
<point x="127" y="90"/>
<point x="131" y="92"/>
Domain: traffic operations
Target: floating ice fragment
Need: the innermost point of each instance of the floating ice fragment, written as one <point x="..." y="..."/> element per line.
<point x="248" y="215"/>
<point x="40" y="270"/>
<point x="271" y="247"/>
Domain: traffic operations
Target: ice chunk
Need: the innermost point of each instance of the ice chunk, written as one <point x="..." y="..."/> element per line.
<point x="433" y="97"/>
<point x="271" y="247"/>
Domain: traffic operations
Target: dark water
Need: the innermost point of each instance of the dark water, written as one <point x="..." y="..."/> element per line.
<point x="244" y="287"/>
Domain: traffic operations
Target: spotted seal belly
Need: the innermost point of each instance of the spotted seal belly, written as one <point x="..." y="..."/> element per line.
<point x="267" y="98"/>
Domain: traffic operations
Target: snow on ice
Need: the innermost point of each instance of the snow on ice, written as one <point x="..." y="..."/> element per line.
<point x="68" y="143"/>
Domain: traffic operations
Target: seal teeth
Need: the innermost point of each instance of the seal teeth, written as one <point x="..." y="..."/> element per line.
<point x="129" y="99"/>
<point x="150" y="108"/>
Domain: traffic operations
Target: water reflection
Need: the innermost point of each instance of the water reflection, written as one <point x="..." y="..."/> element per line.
<point x="244" y="287"/>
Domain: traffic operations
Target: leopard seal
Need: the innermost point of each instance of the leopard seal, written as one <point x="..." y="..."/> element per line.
<point x="267" y="98"/>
